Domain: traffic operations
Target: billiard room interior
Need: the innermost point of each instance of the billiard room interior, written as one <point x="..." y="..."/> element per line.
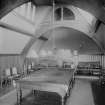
<point x="52" y="52"/>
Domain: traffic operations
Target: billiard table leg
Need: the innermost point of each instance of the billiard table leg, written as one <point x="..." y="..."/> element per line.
<point x="62" y="101"/>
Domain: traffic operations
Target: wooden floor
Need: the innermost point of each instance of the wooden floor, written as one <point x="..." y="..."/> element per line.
<point x="6" y="90"/>
<point x="81" y="95"/>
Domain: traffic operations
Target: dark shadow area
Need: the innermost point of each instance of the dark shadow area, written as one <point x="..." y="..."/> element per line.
<point x="41" y="98"/>
<point x="68" y="14"/>
<point x="98" y="92"/>
<point x="5" y="90"/>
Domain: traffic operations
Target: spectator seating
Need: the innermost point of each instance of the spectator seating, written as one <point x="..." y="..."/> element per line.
<point x="89" y="68"/>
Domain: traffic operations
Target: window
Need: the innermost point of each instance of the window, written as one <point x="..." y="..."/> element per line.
<point x="64" y="13"/>
<point x="68" y="14"/>
<point x="58" y="14"/>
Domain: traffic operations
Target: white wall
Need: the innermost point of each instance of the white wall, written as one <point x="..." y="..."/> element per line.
<point x="12" y="42"/>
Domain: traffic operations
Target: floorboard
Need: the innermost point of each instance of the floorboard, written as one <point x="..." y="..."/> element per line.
<point x="84" y="92"/>
<point x="81" y="94"/>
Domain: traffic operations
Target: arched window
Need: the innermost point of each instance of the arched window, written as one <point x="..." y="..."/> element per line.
<point x="64" y="13"/>
<point x="68" y="14"/>
<point x="58" y="14"/>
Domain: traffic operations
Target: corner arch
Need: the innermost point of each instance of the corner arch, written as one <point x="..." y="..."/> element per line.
<point x="92" y="38"/>
<point x="10" y="6"/>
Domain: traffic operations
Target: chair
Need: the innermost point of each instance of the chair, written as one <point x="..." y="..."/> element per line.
<point x="15" y="73"/>
<point x="29" y="66"/>
<point x="2" y="82"/>
<point x="24" y="70"/>
<point x="8" y="72"/>
<point x="8" y="76"/>
<point x="30" y="70"/>
<point x="32" y="64"/>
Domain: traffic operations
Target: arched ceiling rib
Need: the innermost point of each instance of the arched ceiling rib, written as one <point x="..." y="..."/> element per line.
<point x="93" y="6"/>
<point x="33" y="40"/>
<point x="16" y="29"/>
<point x="19" y="30"/>
<point x="99" y="45"/>
<point x="13" y="23"/>
<point x="68" y="38"/>
<point x="16" y="23"/>
<point x="76" y="24"/>
<point x="8" y="5"/>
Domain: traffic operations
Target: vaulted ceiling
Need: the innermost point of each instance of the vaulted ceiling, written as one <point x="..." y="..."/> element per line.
<point x="68" y="38"/>
<point x="95" y="7"/>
